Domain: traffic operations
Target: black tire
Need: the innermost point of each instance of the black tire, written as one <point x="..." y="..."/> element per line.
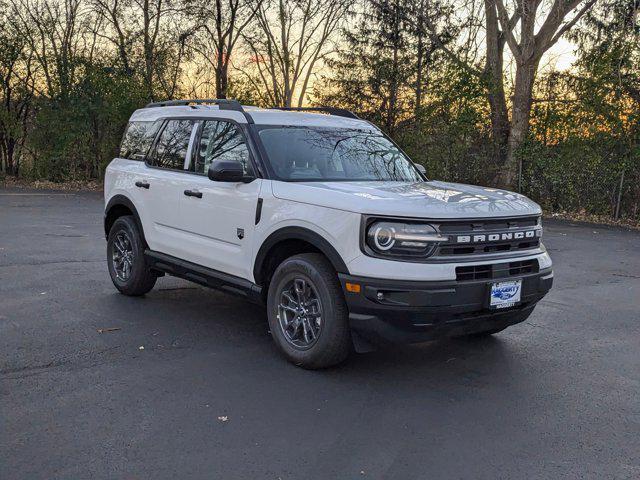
<point x="332" y="343"/>
<point x="140" y="278"/>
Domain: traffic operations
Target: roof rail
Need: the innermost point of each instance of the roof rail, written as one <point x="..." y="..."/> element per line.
<point x="340" y="112"/>
<point x="223" y="103"/>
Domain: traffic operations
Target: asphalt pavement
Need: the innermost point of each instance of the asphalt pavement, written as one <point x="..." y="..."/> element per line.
<point x="188" y="384"/>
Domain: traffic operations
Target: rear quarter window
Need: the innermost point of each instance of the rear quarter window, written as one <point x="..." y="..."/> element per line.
<point x="137" y="139"/>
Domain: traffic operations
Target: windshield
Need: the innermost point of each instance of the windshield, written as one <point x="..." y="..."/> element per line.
<point x="313" y="154"/>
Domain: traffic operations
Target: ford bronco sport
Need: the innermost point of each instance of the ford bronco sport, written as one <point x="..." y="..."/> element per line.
<point x="323" y="219"/>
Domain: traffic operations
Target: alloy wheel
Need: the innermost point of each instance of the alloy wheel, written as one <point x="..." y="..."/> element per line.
<point x="122" y="256"/>
<point x="300" y="313"/>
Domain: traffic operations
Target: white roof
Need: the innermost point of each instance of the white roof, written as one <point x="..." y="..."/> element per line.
<point x="261" y="116"/>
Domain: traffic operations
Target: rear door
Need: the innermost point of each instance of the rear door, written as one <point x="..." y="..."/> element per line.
<point x="132" y="176"/>
<point x="167" y="179"/>
<point x="220" y="220"/>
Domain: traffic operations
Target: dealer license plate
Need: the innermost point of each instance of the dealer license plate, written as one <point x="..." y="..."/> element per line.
<point x="505" y="294"/>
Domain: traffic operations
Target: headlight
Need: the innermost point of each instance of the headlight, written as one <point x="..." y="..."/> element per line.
<point x="399" y="239"/>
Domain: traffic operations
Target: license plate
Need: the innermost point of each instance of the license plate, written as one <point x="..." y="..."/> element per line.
<point x="505" y="294"/>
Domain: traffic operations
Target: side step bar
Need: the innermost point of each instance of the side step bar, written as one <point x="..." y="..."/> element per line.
<point x="203" y="275"/>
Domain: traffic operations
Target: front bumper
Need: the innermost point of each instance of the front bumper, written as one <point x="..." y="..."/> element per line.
<point x="415" y="311"/>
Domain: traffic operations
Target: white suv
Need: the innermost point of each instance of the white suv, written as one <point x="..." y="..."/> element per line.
<point x="321" y="217"/>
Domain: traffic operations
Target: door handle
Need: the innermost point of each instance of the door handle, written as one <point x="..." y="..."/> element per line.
<point x="142" y="185"/>
<point x="193" y="193"/>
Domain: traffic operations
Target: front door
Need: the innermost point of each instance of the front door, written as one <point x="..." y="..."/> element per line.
<point x="220" y="216"/>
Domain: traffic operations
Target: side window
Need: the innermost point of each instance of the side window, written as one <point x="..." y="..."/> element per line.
<point x="171" y="148"/>
<point x="137" y="139"/>
<point x="220" y="140"/>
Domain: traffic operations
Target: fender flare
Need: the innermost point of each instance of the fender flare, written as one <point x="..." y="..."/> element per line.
<point x="297" y="233"/>
<point x="121" y="200"/>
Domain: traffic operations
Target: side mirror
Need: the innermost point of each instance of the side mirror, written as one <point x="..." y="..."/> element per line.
<point x="421" y="169"/>
<point x="227" y="171"/>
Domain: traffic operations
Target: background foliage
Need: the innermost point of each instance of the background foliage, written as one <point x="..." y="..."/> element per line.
<point x="72" y="71"/>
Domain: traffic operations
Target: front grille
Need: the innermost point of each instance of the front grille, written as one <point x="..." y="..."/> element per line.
<point x="491" y="227"/>
<point x="457" y="226"/>
<point x="496" y="271"/>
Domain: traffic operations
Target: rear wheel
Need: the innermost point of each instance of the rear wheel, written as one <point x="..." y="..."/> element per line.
<point x="125" y="258"/>
<point x="308" y="316"/>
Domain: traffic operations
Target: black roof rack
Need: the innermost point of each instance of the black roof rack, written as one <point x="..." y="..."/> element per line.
<point x="223" y="103"/>
<point x="340" y="112"/>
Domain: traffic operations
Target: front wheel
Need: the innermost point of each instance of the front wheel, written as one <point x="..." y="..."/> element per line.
<point x="308" y="317"/>
<point x="125" y="257"/>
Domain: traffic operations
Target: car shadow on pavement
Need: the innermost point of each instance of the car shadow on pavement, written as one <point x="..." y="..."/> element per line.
<point x="190" y="317"/>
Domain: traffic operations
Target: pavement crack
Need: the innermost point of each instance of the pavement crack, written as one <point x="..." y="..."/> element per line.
<point x="625" y="275"/>
<point x="536" y="325"/>
<point x="28" y="368"/>
<point x="80" y="358"/>
<point x="555" y="304"/>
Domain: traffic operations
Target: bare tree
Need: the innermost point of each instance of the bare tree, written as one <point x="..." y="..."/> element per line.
<point x="292" y="39"/>
<point x="150" y="39"/>
<point x="220" y="25"/>
<point x="16" y="94"/>
<point x="515" y="25"/>
<point x="120" y="33"/>
<point x="54" y="32"/>
<point x="527" y="49"/>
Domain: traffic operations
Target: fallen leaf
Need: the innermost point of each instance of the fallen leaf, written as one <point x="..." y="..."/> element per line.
<point x="106" y="330"/>
<point x="141" y="347"/>
<point x="223" y="418"/>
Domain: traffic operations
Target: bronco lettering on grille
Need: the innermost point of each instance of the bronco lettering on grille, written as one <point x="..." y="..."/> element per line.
<point x="498" y="237"/>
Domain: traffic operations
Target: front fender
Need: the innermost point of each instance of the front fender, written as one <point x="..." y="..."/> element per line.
<point x="297" y="233"/>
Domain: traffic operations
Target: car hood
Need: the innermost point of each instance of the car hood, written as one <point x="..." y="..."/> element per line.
<point x="421" y="200"/>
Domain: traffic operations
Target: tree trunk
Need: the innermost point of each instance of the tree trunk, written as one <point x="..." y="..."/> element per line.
<point x="11" y="161"/>
<point x="222" y="81"/>
<point x="494" y="79"/>
<point x="222" y="74"/>
<point x="419" y="69"/>
<point x="500" y="127"/>
<point x="3" y="162"/>
<point x="393" y="93"/>
<point x="520" y="117"/>
<point x="148" y="47"/>
<point x="419" y="59"/>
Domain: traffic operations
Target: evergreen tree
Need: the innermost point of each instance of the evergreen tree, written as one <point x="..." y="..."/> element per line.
<point x="383" y="67"/>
